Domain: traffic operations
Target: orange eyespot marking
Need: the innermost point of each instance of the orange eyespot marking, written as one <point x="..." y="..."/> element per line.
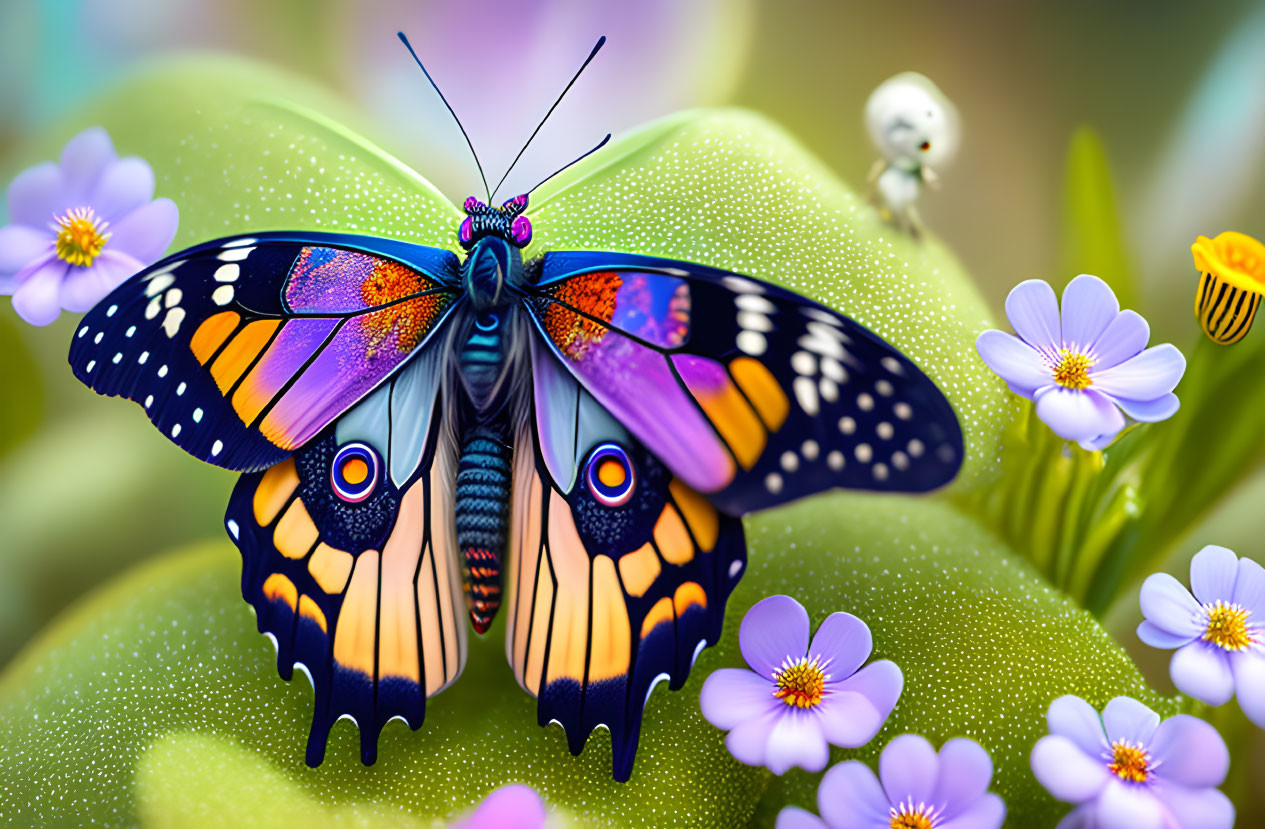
<point x="355" y="470"/>
<point x="611" y="473"/>
<point x="279" y="588"/>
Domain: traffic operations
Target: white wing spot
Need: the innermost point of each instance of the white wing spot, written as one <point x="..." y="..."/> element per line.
<point x="834" y="369"/>
<point x="197" y="415"/>
<point x="237" y="243"/>
<point x="884" y="388"/>
<point x="227" y="273"/>
<point x="742" y="286"/>
<point x="751" y="302"/>
<point x="915" y="448"/>
<point x="181" y="388"/>
<point x="162" y="370"/>
<point x="172" y="298"/>
<point x="131" y="329"/>
<point x="900" y="460"/>
<point x="232" y="528"/>
<point x="847" y="425"/>
<point x="159" y="284"/>
<point x="885" y="430"/>
<point x="175" y="430"/>
<point x="97" y="339"/>
<point x="735" y="568"/>
<point x="222" y="295"/>
<point x="790" y="462"/>
<point x="864" y="453"/>
<point x="118" y="357"/>
<point x="149" y="401"/>
<point x="810" y="450"/>
<point x="804" y="363"/>
<point x="865" y="402"/>
<point x="109" y="312"/>
<point x="903" y="410"/>
<point x="141" y="359"/>
<point x="234" y="255"/>
<point x="893" y="365"/>
<point x="754" y="321"/>
<point x="151" y="310"/>
<point x="752" y="342"/>
<point x="880" y="472"/>
<point x="806" y="394"/>
<point x="829" y="389"/>
<point x="171" y="322"/>
<point x="835" y="460"/>
<point x="82" y="331"/>
<point x="91" y="365"/>
<point x="773" y="483"/>
<point x="217" y="447"/>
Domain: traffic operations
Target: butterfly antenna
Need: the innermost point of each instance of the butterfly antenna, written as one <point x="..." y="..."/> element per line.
<point x="601" y="41"/>
<point x="569" y="164"/>
<point x="435" y="86"/>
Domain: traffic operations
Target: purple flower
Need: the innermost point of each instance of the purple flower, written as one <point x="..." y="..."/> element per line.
<point x="509" y="807"/>
<point x="1126" y="768"/>
<point x="1218" y="632"/>
<point x="915" y="789"/>
<point x="798" y="697"/>
<point x="79" y="228"/>
<point x="1086" y="367"/>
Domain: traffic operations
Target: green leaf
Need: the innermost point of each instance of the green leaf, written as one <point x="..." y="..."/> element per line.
<point x="157" y="701"/>
<point x="1092" y="238"/>
<point x="729" y="189"/>
<point x="240" y="146"/>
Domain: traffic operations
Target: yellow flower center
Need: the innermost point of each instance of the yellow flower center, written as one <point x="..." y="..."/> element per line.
<point x="800" y="683"/>
<point x="909" y="816"/>
<point x="1129" y="762"/>
<point x="1072" y="371"/>
<point x="1227" y="626"/>
<point x="80" y="236"/>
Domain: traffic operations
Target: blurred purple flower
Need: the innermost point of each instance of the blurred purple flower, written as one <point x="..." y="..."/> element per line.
<point x="1087" y="366"/>
<point x="915" y="789"/>
<point x="509" y="807"/>
<point x="79" y="228"/>
<point x="1217" y="632"/>
<point x="799" y="696"/>
<point x="1126" y="768"/>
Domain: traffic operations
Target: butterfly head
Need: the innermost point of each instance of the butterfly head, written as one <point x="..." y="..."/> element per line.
<point x="505" y="222"/>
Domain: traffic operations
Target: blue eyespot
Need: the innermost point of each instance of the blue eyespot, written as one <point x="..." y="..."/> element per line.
<point x="354" y="473"/>
<point x="609" y="475"/>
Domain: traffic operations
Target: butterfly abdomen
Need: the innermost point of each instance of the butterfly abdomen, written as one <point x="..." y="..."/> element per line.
<point x="482" y="513"/>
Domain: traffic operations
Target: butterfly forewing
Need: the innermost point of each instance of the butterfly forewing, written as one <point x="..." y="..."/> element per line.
<point x="752" y="394"/>
<point x="243" y="349"/>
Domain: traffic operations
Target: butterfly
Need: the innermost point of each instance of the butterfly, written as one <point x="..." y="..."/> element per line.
<point x="566" y="441"/>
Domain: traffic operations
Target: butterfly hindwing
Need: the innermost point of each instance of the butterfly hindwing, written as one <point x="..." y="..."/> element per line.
<point x="243" y="349"/>
<point x="748" y="392"/>
<point x="606" y="599"/>
<point x="348" y="558"/>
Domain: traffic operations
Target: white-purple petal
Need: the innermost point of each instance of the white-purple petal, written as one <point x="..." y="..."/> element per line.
<point x="84" y="287"/>
<point x="731" y="696"/>
<point x="83" y="160"/>
<point x="35" y="299"/>
<point x="1166" y="603"/>
<point x="1203" y="808"/>
<point x="749" y="740"/>
<point x="908" y="769"/>
<point x="842" y="643"/>
<point x="1189" y="751"/>
<point x="1153" y="373"/>
<point x="1067" y="772"/>
<point x="510" y="807"/>
<point x="1149" y="411"/>
<point x="793" y="817"/>
<point x="1033" y="311"/>
<point x="851" y="796"/>
<point x="1248" y="668"/>
<point x="965" y="772"/>
<point x="37" y="195"/>
<point x="1124" y="718"/>
<point x="1125" y="805"/>
<point x="1016" y="362"/>
<point x="849" y="720"/>
<point x="1202" y="670"/>
<point x="146" y="232"/>
<point x="1074" y="718"/>
<point x="987" y="812"/>
<point x="1125" y="337"/>
<point x="796" y="740"/>
<point x="1158" y="637"/>
<point x="773" y="629"/>
<point x="1249" y="590"/>
<point x="1082" y="817"/>
<point x="1089" y="307"/>
<point x="1213" y="572"/>
<point x="21" y="245"/>
<point x="1078" y="414"/>
<point x="880" y="683"/>
<point x="123" y="186"/>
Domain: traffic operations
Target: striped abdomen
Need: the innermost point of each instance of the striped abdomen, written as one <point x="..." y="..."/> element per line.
<point x="482" y="511"/>
<point x="1225" y="311"/>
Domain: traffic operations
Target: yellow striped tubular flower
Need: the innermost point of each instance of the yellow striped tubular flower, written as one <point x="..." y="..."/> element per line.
<point x="1233" y="267"/>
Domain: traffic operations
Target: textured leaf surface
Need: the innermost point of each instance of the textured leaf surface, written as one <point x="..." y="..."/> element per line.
<point x="729" y="189"/>
<point x="108" y="714"/>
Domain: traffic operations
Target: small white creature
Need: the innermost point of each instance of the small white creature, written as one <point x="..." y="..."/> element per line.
<point x="916" y="129"/>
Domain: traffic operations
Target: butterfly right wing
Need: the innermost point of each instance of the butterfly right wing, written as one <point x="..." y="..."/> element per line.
<point x="360" y="591"/>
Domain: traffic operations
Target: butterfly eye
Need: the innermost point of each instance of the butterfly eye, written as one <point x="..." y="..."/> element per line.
<point x="610" y="475"/>
<point x="355" y="472"/>
<point x="521" y="231"/>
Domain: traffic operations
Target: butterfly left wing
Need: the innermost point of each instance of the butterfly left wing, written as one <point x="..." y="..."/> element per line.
<point x="349" y="560"/>
<point x="243" y="349"/>
<point x="751" y="394"/>
<point x="618" y="573"/>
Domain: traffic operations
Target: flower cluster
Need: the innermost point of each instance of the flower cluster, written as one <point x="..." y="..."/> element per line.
<point x="79" y="228"/>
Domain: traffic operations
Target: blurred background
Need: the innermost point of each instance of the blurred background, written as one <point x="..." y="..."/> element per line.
<point x="1175" y="91"/>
